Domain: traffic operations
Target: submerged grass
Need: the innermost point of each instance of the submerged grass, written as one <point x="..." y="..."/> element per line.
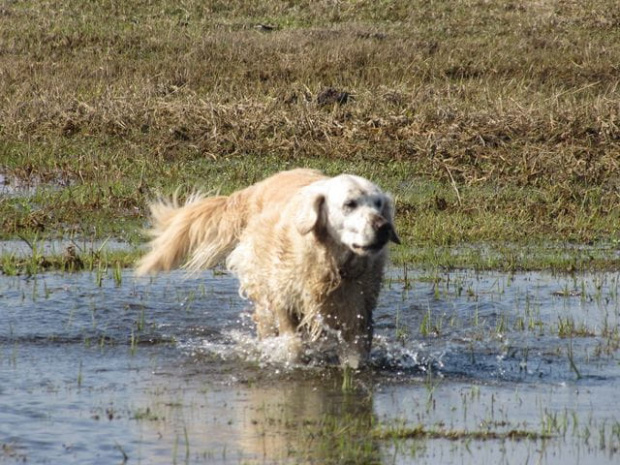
<point x="421" y="432"/>
<point x="494" y="123"/>
<point x="71" y="259"/>
<point x="346" y="439"/>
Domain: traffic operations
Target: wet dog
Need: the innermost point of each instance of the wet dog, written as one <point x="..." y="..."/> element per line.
<point x="308" y="250"/>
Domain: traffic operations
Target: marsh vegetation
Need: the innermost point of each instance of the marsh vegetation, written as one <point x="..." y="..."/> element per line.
<point x="492" y="122"/>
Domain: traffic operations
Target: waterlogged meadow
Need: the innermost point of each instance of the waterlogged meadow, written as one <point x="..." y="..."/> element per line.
<point x="495" y="125"/>
<point x="467" y="367"/>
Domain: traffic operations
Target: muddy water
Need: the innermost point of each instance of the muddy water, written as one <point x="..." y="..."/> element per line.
<point x="101" y="369"/>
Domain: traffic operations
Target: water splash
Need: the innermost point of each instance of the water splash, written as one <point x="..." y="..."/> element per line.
<point x="241" y="345"/>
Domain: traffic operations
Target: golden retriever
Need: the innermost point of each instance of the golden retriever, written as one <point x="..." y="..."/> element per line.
<point x="308" y="250"/>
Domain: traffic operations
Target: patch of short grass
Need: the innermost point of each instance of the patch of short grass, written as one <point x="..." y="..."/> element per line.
<point x="72" y="259"/>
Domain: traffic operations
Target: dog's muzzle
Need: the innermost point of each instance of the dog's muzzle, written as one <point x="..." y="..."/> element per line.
<point x="384" y="233"/>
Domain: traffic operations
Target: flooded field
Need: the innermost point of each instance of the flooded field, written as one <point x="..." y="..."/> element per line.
<point x="104" y="368"/>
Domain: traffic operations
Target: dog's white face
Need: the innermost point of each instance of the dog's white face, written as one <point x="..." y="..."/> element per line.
<point x="354" y="212"/>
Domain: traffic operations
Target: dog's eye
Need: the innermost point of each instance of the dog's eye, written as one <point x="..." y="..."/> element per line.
<point x="350" y="205"/>
<point x="379" y="203"/>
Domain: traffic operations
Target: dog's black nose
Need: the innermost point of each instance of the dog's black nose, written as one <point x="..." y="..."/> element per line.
<point x="385" y="231"/>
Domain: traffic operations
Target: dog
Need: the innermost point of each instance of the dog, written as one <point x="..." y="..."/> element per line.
<point x="309" y="251"/>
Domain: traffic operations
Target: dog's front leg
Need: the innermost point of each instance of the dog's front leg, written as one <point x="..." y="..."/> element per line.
<point x="354" y="349"/>
<point x="288" y="329"/>
<point x="266" y="325"/>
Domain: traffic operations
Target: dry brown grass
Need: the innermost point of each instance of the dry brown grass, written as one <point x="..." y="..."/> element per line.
<point x="512" y="107"/>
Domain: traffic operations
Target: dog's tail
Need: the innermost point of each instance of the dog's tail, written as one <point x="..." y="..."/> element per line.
<point x="197" y="235"/>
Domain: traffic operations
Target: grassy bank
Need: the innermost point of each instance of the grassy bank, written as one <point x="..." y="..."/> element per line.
<point x="491" y="122"/>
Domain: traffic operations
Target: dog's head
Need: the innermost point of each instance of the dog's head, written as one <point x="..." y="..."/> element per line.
<point x="352" y="211"/>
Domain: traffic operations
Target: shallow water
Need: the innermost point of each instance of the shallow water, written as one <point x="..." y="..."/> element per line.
<point x="12" y="186"/>
<point x="21" y="248"/>
<point x="168" y="370"/>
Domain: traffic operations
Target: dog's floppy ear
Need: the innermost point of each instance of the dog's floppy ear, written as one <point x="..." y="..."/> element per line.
<point x="310" y="216"/>
<point x="388" y="214"/>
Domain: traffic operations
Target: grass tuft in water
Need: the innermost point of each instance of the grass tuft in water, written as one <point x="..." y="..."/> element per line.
<point x="422" y="432"/>
<point x="347" y="379"/>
